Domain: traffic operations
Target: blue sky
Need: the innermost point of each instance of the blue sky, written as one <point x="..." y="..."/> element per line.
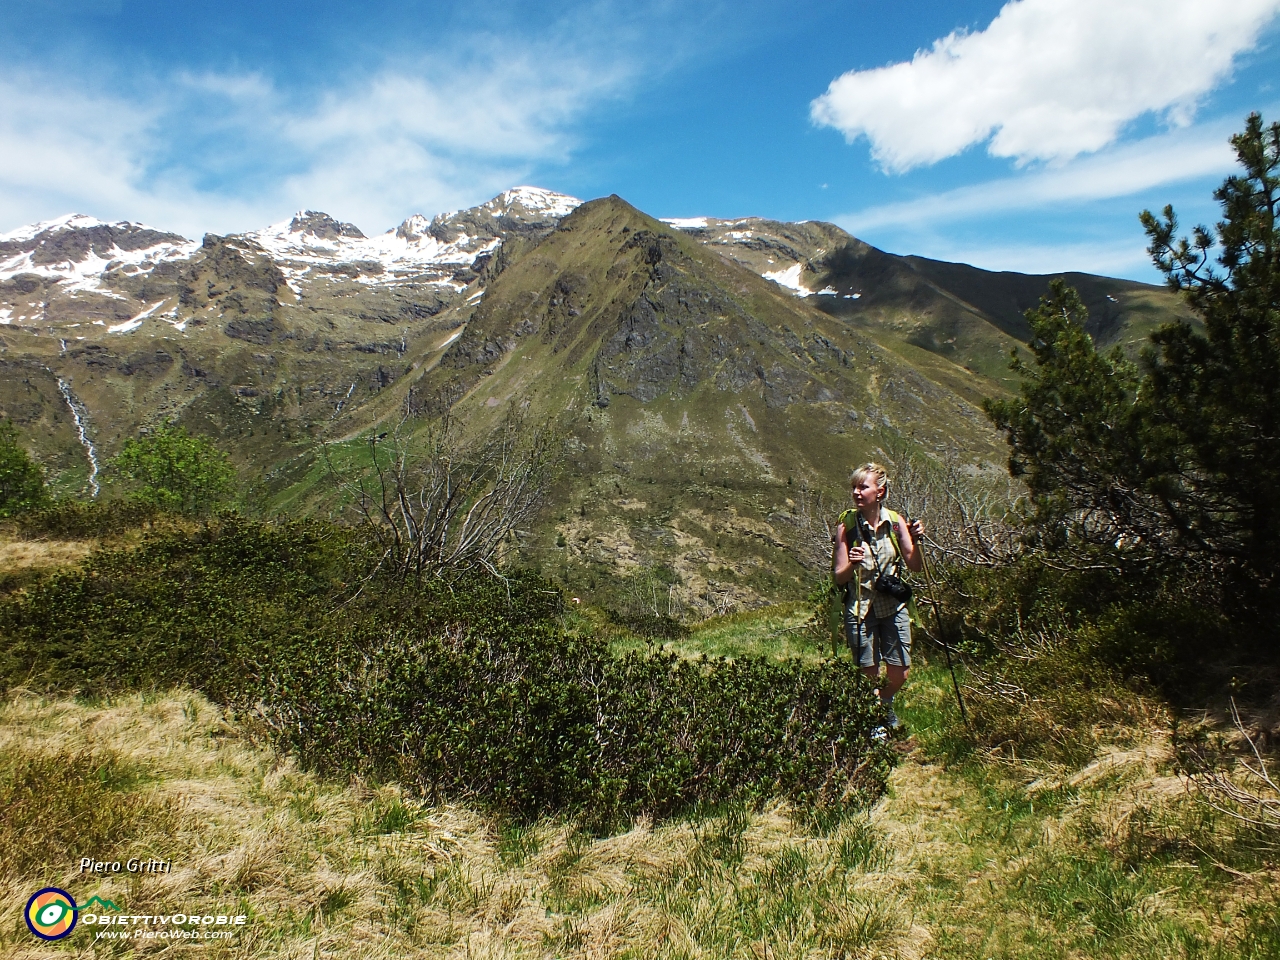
<point x="1023" y="135"/>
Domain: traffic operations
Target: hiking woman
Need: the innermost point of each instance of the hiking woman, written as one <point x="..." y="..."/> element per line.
<point x="870" y="542"/>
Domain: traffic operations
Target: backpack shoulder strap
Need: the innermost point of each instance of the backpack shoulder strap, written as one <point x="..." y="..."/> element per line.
<point x="894" y="520"/>
<point x="846" y="518"/>
<point x="849" y="519"/>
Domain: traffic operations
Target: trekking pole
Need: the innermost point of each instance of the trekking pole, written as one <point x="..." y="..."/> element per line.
<point x="857" y="614"/>
<point x="937" y="615"/>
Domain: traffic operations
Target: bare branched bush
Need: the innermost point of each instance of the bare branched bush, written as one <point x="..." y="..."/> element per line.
<point x="972" y="515"/>
<point x="650" y="591"/>
<point x="1246" y="790"/>
<point x="435" y="501"/>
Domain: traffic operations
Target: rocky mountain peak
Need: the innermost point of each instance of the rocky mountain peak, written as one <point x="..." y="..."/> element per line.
<point x="314" y="223"/>
<point x="414" y="228"/>
<point x="532" y="202"/>
<point x="72" y="238"/>
<point x="529" y="212"/>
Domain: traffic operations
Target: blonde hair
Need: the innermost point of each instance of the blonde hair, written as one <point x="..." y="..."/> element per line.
<point x="872" y="470"/>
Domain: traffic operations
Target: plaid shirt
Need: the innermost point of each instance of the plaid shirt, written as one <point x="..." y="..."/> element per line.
<point x="881" y="558"/>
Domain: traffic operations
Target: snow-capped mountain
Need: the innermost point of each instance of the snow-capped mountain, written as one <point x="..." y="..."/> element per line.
<point x="77" y="270"/>
<point x="78" y="251"/>
<point x="785" y="253"/>
<point x="442" y="251"/>
<point x="120" y="274"/>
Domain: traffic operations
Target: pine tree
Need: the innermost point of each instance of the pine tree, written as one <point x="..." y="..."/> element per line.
<point x="1211" y="404"/>
<point x="1171" y="467"/>
<point x="1072" y="432"/>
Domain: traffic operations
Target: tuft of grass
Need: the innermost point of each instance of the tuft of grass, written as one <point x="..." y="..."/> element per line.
<point x="774" y="632"/>
<point x="386" y="814"/>
<point x="517" y="843"/>
<point x="68" y="804"/>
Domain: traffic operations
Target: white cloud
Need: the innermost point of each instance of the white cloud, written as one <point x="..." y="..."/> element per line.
<point x="401" y="141"/>
<point x="57" y="145"/>
<point x="1120" y="171"/>
<point x="66" y="150"/>
<point x="227" y="152"/>
<point x="1047" y="79"/>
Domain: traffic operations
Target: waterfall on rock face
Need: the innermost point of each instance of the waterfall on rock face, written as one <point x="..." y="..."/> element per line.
<point x="81" y="417"/>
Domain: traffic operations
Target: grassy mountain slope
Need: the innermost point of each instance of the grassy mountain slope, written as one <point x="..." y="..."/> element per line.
<point x="973" y="316"/>
<point x="697" y="400"/>
<point x="970" y="316"/>
<point x="702" y="405"/>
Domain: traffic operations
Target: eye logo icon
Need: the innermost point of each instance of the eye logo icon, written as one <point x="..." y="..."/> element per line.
<point x="51" y="913"/>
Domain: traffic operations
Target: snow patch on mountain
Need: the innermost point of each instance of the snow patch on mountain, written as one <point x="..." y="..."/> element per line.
<point x="133" y="323"/>
<point x="418" y="250"/>
<point x="400" y="255"/>
<point x="789" y="278"/>
<point x="79" y="249"/>
<point x="686" y="223"/>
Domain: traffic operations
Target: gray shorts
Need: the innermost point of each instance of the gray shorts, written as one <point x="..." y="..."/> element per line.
<point x="881" y="638"/>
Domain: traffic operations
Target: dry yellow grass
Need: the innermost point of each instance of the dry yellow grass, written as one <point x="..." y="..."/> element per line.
<point x="18" y="556"/>
<point x="937" y="869"/>
<point x="308" y="862"/>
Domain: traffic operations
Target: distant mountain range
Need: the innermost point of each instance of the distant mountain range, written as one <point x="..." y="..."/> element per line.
<point x="701" y="370"/>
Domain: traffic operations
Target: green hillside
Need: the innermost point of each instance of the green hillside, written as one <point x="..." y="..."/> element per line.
<point x="697" y="400"/>
<point x="970" y="316"/>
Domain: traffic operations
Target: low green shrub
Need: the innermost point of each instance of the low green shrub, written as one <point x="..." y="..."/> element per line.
<point x="503" y="708"/>
<point x="205" y="608"/>
<point x="80" y="520"/>
<point x="652" y="626"/>
<point x="717" y="731"/>
<point x="467" y="688"/>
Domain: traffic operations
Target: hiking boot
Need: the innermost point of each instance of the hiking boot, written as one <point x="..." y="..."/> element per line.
<point x="879" y="735"/>
<point x="891" y="718"/>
